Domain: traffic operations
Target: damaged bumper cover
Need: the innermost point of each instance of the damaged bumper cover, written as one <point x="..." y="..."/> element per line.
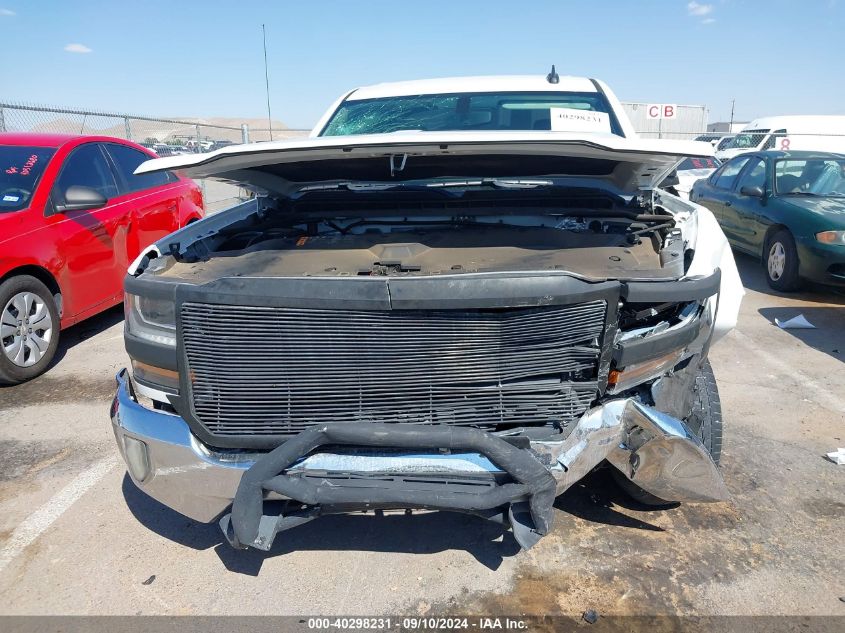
<point x="352" y="467"/>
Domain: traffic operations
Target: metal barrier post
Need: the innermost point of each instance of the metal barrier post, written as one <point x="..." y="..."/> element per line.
<point x="128" y="129"/>
<point x="244" y="133"/>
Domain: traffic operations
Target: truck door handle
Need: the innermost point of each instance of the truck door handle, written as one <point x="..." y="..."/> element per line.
<point x="727" y="204"/>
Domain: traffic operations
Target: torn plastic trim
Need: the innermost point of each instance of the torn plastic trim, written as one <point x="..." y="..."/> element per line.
<point x="688" y="289"/>
<point x="655" y="342"/>
<point x="534" y="483"/>
<point x="666" y="353"/>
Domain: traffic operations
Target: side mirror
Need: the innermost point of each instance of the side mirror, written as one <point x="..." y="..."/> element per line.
<point x="754" y="192"/>
<point x="79" y="198"/>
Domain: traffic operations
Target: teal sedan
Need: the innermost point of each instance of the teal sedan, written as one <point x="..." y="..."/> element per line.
<point x="787" y="208"/>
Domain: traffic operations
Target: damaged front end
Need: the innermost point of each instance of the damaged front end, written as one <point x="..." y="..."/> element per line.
<point x="656" y="452"/>
<point x="353" y="467"/>
<point x="384" y="338"/>
<point x="641" y="362"/>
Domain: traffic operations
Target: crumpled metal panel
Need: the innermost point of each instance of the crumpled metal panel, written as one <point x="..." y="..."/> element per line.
<point x="656" y="451"/>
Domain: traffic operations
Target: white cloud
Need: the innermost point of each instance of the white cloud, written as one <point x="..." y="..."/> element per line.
<point x="708" y="20"/>
<point x="699" y="10"/>
<point x="77" y="48"/>
<point x="7" y="12"/>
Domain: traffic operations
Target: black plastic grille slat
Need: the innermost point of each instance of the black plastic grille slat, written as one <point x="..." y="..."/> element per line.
<point x="277" y="371"/>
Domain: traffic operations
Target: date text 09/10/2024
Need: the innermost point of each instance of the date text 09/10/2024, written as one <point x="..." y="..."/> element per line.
<point x="418" y="623"/>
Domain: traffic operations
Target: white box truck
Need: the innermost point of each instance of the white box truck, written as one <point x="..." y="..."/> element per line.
<point x="818" y="133"/>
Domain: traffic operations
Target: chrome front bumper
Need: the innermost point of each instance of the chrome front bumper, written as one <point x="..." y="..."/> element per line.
<point x="657" y="452"/>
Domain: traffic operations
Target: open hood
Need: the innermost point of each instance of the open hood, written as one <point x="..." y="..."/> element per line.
<point x="622" y="165"/>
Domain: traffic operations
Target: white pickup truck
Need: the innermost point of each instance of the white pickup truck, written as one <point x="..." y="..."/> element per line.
<point x="458" y="294"/>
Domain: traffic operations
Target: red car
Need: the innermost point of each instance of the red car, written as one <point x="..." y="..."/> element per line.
<point x="73" y="216"/>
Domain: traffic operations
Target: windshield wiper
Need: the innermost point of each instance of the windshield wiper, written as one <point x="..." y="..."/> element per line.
<point x="440" y="187"/>
<point x="353" y="186"/>
<point x="499" y="183"/>
<point x="372" y="187"/>
<point x="430" y="223"/>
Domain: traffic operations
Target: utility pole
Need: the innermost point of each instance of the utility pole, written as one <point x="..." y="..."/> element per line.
<point x="731" y="128"/>
<point x="267" y="83"/>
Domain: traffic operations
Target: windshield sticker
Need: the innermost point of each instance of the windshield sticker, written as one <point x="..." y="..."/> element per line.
<point x="25" y="168"/>
<point x="569" y="120"/>
<point x="11" y="198"/>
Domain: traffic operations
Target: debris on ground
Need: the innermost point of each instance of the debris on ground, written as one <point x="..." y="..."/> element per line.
<point x="149" y="580"/>
<point x="799" y="322"/>
<point x="590" y="616"/>
<point x="837" y="456"/>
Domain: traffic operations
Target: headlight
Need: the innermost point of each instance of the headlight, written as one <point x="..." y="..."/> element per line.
<point x="831" y="237"/>
<point x="151" y="319"/>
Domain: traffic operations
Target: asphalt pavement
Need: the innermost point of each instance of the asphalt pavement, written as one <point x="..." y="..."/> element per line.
<point x="76" y="536"/>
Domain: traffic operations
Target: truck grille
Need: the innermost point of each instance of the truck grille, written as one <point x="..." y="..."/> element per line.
<point x="276" y="371"/>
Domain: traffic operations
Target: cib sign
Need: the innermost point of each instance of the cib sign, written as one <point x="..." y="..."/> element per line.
<point x="661" y="111"/>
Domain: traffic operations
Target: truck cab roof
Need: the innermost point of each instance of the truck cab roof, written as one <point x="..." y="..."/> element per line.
<point x="487" y="83"/>
<point x="501" y="84"/>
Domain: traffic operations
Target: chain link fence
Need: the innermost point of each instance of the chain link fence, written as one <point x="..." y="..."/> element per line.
<point x="166" y="137"/>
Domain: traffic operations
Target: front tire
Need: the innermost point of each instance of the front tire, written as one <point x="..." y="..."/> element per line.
<point x="29" y="329"/>
<point x="705" y="420"/>
<point x="780" y="260"/>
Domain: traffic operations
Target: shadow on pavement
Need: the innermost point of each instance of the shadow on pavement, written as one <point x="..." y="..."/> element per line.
<point x="80" y="332"/>
<point x="753" y="278"/>
<point x="419" y="533"/>
<point x="829" y="333"/>
<point x="58" y="386"/>
<point x="595" y="498"/>
<point x="86" y="329"/>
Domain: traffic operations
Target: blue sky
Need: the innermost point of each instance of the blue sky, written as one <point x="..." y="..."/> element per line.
<point x="191" y="58"/>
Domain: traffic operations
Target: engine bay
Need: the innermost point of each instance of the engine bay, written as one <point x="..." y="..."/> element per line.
<point x="590" y="244"/>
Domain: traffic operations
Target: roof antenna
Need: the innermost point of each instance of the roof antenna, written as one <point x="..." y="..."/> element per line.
<point x="553" y="77"/>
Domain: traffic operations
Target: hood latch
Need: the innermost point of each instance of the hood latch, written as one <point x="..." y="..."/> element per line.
<point x="397" y="163"/>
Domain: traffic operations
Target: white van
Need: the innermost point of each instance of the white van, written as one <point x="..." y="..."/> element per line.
<point x="820" y="133"/>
